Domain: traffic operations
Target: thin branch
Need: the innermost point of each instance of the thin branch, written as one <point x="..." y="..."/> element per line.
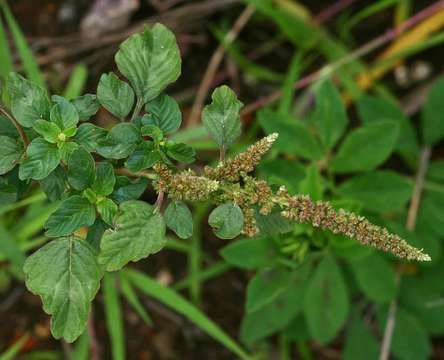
<point x="145" y="174"/>
<point x="417" y="191"/>
<point x="159" y="200"/>
<point x="94" y="344"/>
<point x="16" y="124"/>
<point x="137" y="109"/>
<point x="358" y="53"/>
<point x="215" y="61"/>
<point x="410" y="226"/>
<point x="332" y="10"/>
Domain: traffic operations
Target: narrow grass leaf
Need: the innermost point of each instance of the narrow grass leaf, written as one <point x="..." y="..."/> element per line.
<point x="174" y="300"/>
<point x="113" y="314"/>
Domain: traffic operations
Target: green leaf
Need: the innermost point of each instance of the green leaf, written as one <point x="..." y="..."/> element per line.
<point x="42" y="158"/>
<point x="163" y="112"/>
<point x="178" y="303"/>
<point x="139" y="231"/>
<point x="179" y="219"/>
<point x="273" y="224"/>
<point x="277" y="314"/>
<point x="181" y="152"/>
<point x="380" y="191"/>
<point x="330" y="115"/>
<point x="421" y="293"/>
<point x="7" y="128"/>
<point x="89" y="136"/>
<point x="66" y="275"/>
<point x="54" y="184"/>
<point x="152" y="131"/>
<point x="63" y="113"/>
<point x="107" y="210"/>
<point x="222" y="117"/>
<point x="432" y="117"/>
<point x="8" y="193"/>
<point x="282" y="172"/>
<point x="367" y="147"/>
<point x="121" y="141"/>
<point x="72" y="214"/>
<point x="86" y="105"/>
<point x="81" y="169"/>
<point x="227" y="220"/>
<point x="294" y="136"/>
<point x="66" y="148"/>
<point x="266" y="286"/>
<point x="144" y="157"/>
<point x="326" y="301"/>
<point x="115" y="95"/>
<point x="114" y="317"/>
<point x="373" y="109"/>
<point x="29" y="102"/>
<point x="250" y="253"/>
<point x="375" y="277"/>
<point x="105" y="179"/>
<point x="150" y="61"/>
<point x="360" y="343"/>
<point x="313" y="183"/>
<point x="410" y="340"/>
<point x="126" y="190"/>
<point x="48" y="130"/>
<point x="11" y="151"/>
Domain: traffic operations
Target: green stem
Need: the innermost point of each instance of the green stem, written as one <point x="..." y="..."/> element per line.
<point x="284" y="347"/>
<point x="137" y="109"/>
<point x="17" y="126"/>
<point x="194" y="255"/>
<point x="304" y="350"/>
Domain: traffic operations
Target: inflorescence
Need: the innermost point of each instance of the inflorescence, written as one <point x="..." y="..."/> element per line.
<point x="229" y="181"/>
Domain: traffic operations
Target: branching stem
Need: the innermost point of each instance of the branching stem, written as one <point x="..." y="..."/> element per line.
<point x="16" y="124"/>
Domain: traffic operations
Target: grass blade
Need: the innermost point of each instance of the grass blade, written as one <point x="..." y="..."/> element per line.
<point x="13" y="351"/>
<point x="10" y="248"/>
<point x="113" y="316"/>
<point x="177" y="302"/>
<point x="133" y="300"/>
<point x="76" y="82"/>
<point x="288" y="89"/>
<point x="6" y="65"/>
<point x="30" y="65"/>
<point x="215" y="270"/>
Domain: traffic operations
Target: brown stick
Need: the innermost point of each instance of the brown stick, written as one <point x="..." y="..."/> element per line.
<point x="94" y="344"/>
<point x="410" y="226"/>
<point x="16" y="124"/>
<point x="214" y="63"/>
<point x="363" y="50"/>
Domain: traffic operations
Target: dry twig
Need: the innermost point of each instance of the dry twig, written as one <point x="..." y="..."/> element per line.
<point x="214" y="63"/>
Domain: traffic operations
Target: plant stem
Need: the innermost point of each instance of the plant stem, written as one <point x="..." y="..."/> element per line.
<point x="410" y="226"/>
<point x="137" y="108"/>
<point x="284" y="347"/>
<point x="94" y="345"/>
<point x="215" y="61"/>
<point x="194" y="255"/>
<point x="16" y="124"/>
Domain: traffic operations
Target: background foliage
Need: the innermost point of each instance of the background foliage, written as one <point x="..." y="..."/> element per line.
<point x="348" y="137"/>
